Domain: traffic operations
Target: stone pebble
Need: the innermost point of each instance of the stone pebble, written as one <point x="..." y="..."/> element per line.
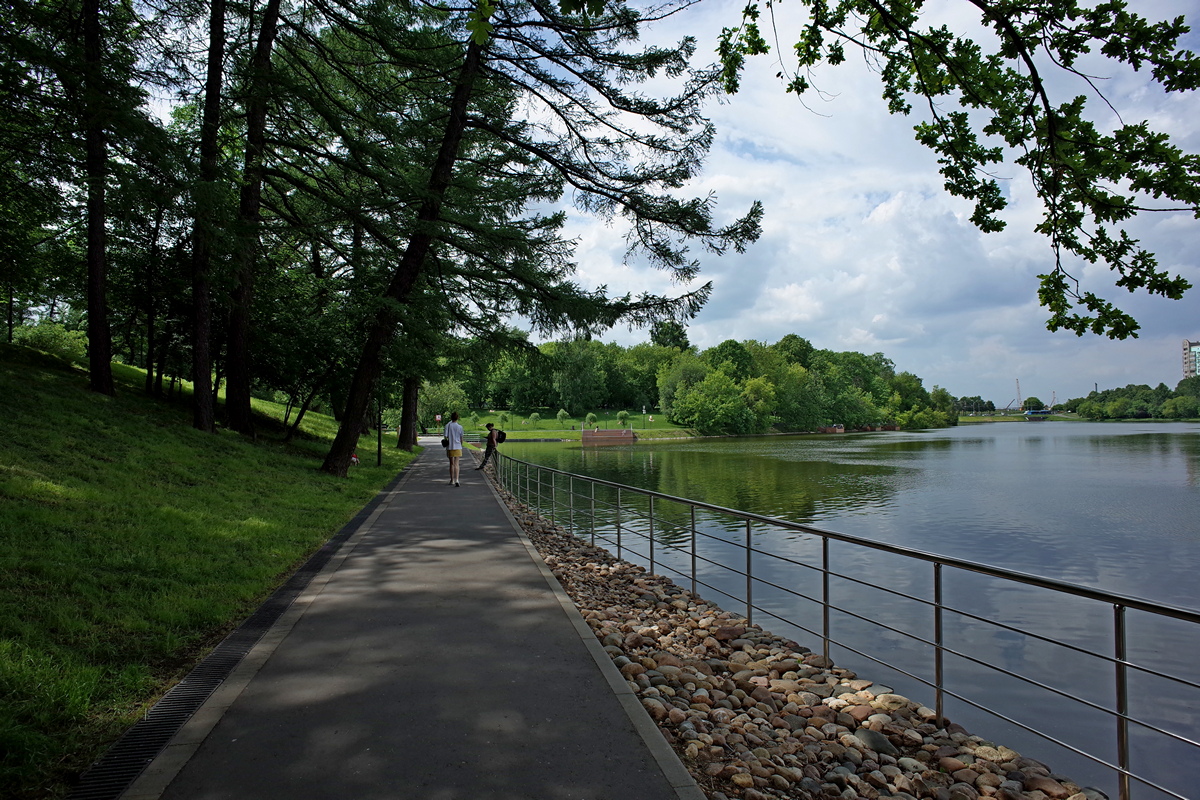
<point x="756" y="716"/>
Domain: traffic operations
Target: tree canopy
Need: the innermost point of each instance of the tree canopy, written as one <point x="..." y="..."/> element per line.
<point x="732" y="388"/>
<point x="994" y="94"/>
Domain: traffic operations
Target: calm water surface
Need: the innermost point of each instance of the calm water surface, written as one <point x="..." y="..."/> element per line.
<point x="1112" y="506"/>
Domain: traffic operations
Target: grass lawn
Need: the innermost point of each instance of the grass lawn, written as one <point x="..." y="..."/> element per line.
<point x="521" y="426"/>
<point x="130" y="544"/>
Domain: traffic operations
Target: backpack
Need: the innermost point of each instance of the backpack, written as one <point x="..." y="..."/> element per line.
<point x="500" y="437"/>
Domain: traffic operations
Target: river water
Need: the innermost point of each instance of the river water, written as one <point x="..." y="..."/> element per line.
<point x="1110" y="506"/>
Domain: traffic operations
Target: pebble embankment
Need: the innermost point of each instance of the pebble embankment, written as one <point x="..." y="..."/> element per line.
<point x="756" y="716"/>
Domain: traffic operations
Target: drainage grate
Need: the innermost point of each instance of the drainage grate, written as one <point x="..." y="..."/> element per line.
<point x="120" y="766"/>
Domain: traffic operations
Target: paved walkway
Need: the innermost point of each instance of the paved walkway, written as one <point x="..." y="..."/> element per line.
<point x="434" y="657"/>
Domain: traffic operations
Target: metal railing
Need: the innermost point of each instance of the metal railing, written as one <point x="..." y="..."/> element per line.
<point x="713" y="548"/>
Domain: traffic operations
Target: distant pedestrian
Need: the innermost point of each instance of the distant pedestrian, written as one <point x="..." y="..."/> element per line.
<point x="454" y="446"/>
<point x="489" y="449"/>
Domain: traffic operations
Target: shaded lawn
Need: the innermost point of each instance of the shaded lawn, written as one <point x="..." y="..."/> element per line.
<point x="130" y="543"/>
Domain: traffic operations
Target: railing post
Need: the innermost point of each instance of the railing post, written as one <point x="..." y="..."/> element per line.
<point x="553" y="495"/>
<point x="652" y="535"/>
<point x="1122" y="701"/>
<point x="693" y="508"/>
<point x="571" y="501"/>
<point x="593" y="485"/>
<point x="938" y="653"/>
<point x="539" y="490"/>
<point x="618" y="522"/>
<point x="749" y="578"/>
<point x="825" y="597"/>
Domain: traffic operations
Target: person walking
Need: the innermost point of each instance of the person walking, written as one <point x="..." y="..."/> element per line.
<point x="489" y="449"/>
<point x="454" y="446"/>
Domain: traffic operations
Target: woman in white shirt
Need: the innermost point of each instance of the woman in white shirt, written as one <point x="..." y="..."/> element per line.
<point x="454" y="446"/>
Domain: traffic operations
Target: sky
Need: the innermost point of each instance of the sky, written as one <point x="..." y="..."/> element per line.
<point x="862" y="249"/>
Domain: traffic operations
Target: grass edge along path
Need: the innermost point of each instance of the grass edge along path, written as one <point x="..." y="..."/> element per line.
<point x="130" y="545"/>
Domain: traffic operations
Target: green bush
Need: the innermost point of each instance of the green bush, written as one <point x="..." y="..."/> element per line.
<point x="53" y="338"/>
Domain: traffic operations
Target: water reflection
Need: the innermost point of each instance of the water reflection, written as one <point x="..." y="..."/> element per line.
<point x="1111" y="506"/>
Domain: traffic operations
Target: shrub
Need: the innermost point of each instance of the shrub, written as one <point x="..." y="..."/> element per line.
<point x="53" y="338"/>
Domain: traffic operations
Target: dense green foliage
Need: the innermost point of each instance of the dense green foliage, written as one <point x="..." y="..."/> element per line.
<point x="732" y="388"/>
<point x="1139" y="401"/>
<point x="131" y="542"/>
<point x="342" y="190"/>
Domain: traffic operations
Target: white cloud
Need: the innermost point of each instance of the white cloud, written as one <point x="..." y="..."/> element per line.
<point x="863" y="249"/>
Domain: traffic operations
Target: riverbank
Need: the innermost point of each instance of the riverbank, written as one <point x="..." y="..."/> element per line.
<point x="756" y="716"/>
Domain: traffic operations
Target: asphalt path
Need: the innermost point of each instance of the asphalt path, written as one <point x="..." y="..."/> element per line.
<point x="435" y="657"/>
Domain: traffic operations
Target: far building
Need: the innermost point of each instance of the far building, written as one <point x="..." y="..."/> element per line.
<point x="1191" y="358"/>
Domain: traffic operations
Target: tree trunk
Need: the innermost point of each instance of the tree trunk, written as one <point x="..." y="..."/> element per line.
<point x="12" y="302"/>
<point x="151" y="323"/>
<point x="203" y="403"/>
<point x="151" y="315"/>
<point x="237" y="363"/>
<point x="383" y="327"/>
<point x="300" y="414"/>
<point x="407" y="439"/>
<point x="164" y="346"/>
<point x="95" y="166"/>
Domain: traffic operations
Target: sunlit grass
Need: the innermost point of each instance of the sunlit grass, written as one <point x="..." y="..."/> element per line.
<point x="129" y="544"/>
<point x="521" y="426"/>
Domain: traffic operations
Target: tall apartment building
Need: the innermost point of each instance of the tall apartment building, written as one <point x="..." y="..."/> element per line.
<point x="1191" y="359"/>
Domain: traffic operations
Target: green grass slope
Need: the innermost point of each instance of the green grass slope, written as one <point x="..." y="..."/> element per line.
<point x="130" y="543"/>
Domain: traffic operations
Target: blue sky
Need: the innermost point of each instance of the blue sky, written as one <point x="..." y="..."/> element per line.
<point x="863" y="250"/>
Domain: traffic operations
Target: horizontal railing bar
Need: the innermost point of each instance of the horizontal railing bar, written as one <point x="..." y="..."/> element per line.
<point x="1012" y="721"/>
<point x="1138" y="603"/>
<point x="986" y="710"/>
<point x="1082" y="651"/>
<point x="992" y="623"/>
<point x="643" y="523"/>
<point x="991" y="667"/>
<point x="1072" y="748"/>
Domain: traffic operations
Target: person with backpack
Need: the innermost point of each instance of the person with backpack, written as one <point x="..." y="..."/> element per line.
<point x="489" y="450"/>
<point x="453" y="442"/>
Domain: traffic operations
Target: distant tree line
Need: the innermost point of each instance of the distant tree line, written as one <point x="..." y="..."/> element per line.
<point x="1139" y="401"/>
<point x="734" y="387"/>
